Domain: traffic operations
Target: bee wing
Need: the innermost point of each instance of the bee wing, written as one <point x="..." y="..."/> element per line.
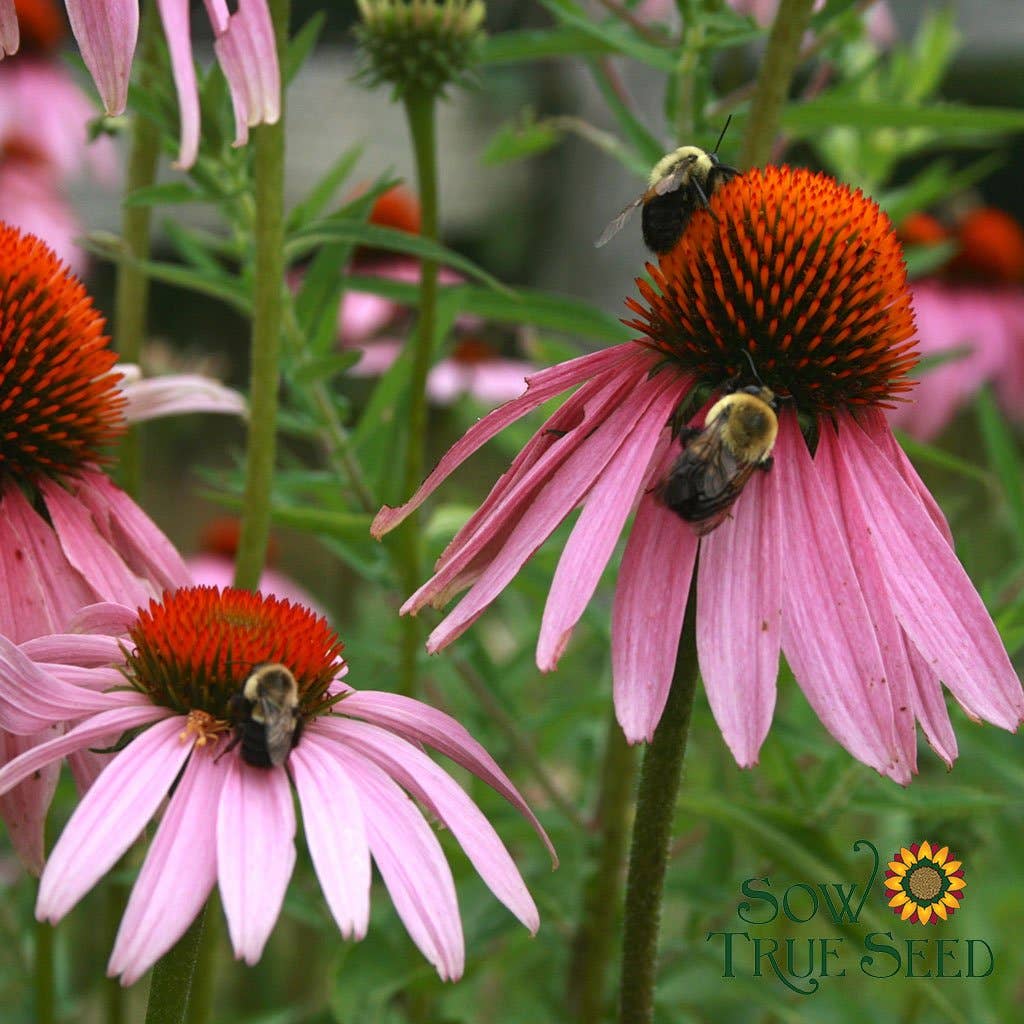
<point x="279" y="725"/>
<point x="671" y="182"/>
<point x="615" y="226"/>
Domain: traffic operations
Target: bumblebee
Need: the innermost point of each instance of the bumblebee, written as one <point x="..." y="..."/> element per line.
<point x="738" y="436"/>
<point x="266" y="716"/>
<point x="680" y="182"/>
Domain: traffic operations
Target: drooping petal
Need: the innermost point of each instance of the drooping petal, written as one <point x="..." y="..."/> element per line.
<point x="10" y="38"/>
<point x="931" y="594"/>
<point x="332" y="819"/>
<point x="430" y="784"/>
<point x="25" y="807"/>
<point x="106" y="34"/>
<point x="539" y="388"/>
<point x="412" y="864"/>
<point x="424" y="724"/>
<point x="178" y="875"/>
<point x="175" y="17"/>
<point x="33" y="566"/>
<point x="930" y="706"/>
<point x="74" y="649"/>
<point x="555" y="501"/>
<point x="95" y="729"/>
<point x="253" y="876"/>
<point x="178" y="393"/>
<point x="648" y="611"/>
<point x="105" y="617"/>
<point x="739" y="617"/>
<point x="111" y="815"/>
<point x="600" y="524"/>
<point x="827" y="633"/>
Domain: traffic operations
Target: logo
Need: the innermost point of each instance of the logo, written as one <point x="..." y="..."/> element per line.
<point x="925" y="884"/>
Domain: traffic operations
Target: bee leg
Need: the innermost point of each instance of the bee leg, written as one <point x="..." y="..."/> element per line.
<point x="765" y="464"/>
<point x="235" y="740"/>
<point x="703" y="197"/>
<point x="557" y="433"/>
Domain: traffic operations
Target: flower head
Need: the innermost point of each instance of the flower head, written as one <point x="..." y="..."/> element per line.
<point x="836" y="556"/>
<point x="926" y="883"/>
<point x="230" y="822"/>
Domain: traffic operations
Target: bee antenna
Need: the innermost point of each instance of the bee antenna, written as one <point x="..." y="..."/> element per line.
<point x="753" y="368"/>
<point x="722" y="136"/>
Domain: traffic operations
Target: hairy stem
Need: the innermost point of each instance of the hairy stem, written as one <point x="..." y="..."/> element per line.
<point x="268" y="239"/>
<point x="170" y="991"/>
<point x="652" y="829"/>
<point x="777" y="67"/>
<point x="45" y="980"/>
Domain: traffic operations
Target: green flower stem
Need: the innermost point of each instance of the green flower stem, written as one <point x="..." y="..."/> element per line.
<point x="45" y="977"/>
<point x="777" y="67"/>
<point x="593" y="943"/>
<point x="170" y="991"/>
<point x="268" y="239"/>
<point x="652" y="829"/>
<point x="420" y="109"/>
<point x="131" y="300"/>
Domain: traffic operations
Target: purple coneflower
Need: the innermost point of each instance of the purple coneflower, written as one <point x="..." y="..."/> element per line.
<point x="107" y="31"/>
<point x="68" y="536"/>
<point x="837" y="556"/>
<point x="355" y="761"/>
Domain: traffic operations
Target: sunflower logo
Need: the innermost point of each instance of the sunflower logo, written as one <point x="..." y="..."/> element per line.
<point x="925" y="883"/>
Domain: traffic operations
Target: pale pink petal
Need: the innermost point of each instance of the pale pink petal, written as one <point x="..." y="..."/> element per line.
<point x="498" y="380"/>
<point x="142" y="545"/>
<point x="178" y="874"/>
<point x="332" y="819"/>
<point x="96" y="679"/>
<point x="539" y="388"/>
<point x="106" y="34"/>
<point x="175" y="16"/>
<point x="32" y="199"/>
<point x="931" y="594"/>
<point x="88" y="551"/>
<point x="600" y="524"/>
<point x="24" y="808"/>
<point x="648" y="611"/>
<point x="431" y="785"/>
<point x="33" y="566"/>
<point x="105" y="617"/>
<point x="87" y="766"/>
<point x="32" y="699"/>
<point x="851" y="519"/>
<point x="111" y="815"/>
<point x="361" y="315"/>
<point x="827" y="634"/>
<point x="74" y="649"/>
<point x="557" y="498"/>
<point x="253" y="875"/>
<point x="739" y="617"/>
<point x="219" y="571"/>
<point x="377" y="357"/>
<point x="412" y="864"/>
<point x="94" y="729"/>
<point x="424" y="724"/>
<point x="449" y="379"/>
<point x="930" y="706"/>
<point x="9" y="35"/>
<point x="178" y="393"/>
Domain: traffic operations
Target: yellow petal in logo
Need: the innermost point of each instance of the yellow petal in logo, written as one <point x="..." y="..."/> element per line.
<point x="924" y="883"/>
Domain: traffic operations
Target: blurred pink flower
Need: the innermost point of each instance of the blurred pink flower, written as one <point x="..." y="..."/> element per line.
<point x="356" y="759"/>
<point x="971" y="311"/>
<point x="68" y="536"/>
<point x="244" y="43"/>
<point x="840" y="558"/>
<point x="878" y="19"/>
<point x="31" y="199"/>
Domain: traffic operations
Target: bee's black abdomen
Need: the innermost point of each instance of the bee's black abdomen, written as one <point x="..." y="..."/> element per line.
<point x="682" y="491"/>
<point x="664" y="218"/>
<point x="254" y="744"/>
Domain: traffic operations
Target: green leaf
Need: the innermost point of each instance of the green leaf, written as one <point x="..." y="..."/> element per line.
<point x="323" y="191"/>
<point x="391" y="239"/>
<point x="1003" y="457"/>
<point x="519" y="139"/>
<point x="827" y="112"/>
<point x="936" y="181"/>
<point x="649" y="148"/>
<point x="541" y="44"/>
<point x="164" y="194"/>
<point x="325" y="367"/>
<point x="924" y="259"/>
<point x="919" y="451"/>
<point x="302" y="45"/>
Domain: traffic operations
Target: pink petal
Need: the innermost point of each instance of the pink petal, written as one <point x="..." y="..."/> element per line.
<point x="412" y="864"/>
<point x="497" y="380"/>
<point x="362" y="315"/>
<point x="930" y="706"/>
<point x="332" y="819"/>
<point x="600" y="523"/>
<point x="255" y="852"/>
<point x="424" y="724"/>
<point x="32" y="199"/>
<point x="555" y="501"/>
<point x="32" y="699"/>
<point x="24" y="808"/>
<point x="178" y="393"/>
<point x="431" y="785"/>
<point x="106" y="34"/>
<point x="539" y="388"/>
<point x="33" y="566"/>
<point x="74" y="649"/>
<point x="87" y="766"/>
<point x="739" y="617"/>
<point x="178" y="875"/>
<point x="648" y="612"/>
<point x="175" y="16"/>
<point x="931" y="595"/>
<point x="827" y="633"/>
<point x="111" y="816"/>
<point x="9" y="35"/>
<point x="104" y="617"/>
<point x="96" y="728"/>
